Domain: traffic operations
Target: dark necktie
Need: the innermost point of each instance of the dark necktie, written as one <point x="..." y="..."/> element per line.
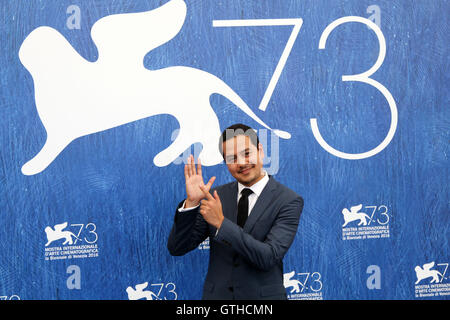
<point x="243" y="207"/>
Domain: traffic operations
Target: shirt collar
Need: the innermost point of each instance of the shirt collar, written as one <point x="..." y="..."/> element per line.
<point x="258" y="187"/>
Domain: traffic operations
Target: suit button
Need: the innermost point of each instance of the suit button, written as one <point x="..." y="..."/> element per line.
<point x="230" y="288"/>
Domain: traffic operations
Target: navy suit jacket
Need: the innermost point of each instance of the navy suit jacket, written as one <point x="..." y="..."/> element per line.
<point x="244" y="263"/>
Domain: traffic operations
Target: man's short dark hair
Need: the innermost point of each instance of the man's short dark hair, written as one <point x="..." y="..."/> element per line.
<point x="237" y="130"/>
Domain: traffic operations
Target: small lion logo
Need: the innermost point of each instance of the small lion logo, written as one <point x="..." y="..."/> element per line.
<point x="426" y="272"/>
<point x="140" y="293"/>
<point x="354" y="215"/>
<point x="58" y="233"/>
<point x="288" y="282"/>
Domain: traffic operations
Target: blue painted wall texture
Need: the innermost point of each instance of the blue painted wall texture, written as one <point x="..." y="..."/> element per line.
<point x="119" y="206"/>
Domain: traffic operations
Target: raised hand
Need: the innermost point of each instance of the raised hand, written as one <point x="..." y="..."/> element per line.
<point x="211" y="208"/>
<point x="194" y="182"/>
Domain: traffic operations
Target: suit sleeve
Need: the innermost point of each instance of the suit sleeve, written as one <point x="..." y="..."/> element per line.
<point x="264" y="254"/>
<point x="188" y="231"/>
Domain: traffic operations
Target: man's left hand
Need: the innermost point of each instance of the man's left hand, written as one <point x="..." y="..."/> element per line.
<point x="211" y="208"/>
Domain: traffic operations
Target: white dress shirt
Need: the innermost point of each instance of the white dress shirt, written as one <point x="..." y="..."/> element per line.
<point x="257" y="188"/>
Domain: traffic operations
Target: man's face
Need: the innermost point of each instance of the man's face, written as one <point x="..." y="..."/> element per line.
<point x="243" y="159"/>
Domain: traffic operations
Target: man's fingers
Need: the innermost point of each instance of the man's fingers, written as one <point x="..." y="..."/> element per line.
<point x="216" y="195"/>
<point x="203" y="208"/>
<point x="206" y="193"/>
<point x="193" y="165"/>
<point x="186" y="172"/>
<point x="188" y="166"/>
<point x="210" y="182"/>
<point x="199" y="167"/>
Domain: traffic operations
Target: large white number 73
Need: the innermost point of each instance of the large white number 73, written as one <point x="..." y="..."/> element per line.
<point x="362" y="77"/>
<point x="295" y="22"/>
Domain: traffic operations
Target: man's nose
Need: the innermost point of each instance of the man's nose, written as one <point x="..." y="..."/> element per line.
<point x="242" y="160"/>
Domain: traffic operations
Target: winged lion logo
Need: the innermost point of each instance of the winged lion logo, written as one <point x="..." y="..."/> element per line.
<point x="117" y="89"/>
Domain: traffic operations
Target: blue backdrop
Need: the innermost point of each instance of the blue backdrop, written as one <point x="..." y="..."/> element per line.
<point x="119" y="205"/>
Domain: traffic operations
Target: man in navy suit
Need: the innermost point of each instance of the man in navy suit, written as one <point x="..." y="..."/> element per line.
<point x="251" y="222"/>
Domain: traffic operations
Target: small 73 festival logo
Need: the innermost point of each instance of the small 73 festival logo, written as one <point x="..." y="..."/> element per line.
<point x="370" y="223"/>
<point x="303" y="285"/>
<point x="160" y="291"/>
<point x="80" y="241"/>
<point x="430" y="278"/>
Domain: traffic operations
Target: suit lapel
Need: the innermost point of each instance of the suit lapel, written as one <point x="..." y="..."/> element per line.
<point x="264" y="199"/>
<point x="229" y="203"/>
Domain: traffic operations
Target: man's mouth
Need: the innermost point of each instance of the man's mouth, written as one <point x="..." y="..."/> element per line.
<point x="245" y="170"/>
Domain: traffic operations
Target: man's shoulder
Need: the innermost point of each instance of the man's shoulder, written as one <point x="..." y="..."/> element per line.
<point x="284" y="191"/>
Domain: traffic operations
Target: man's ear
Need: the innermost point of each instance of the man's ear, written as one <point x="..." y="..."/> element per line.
<point x="261" y="150"/>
